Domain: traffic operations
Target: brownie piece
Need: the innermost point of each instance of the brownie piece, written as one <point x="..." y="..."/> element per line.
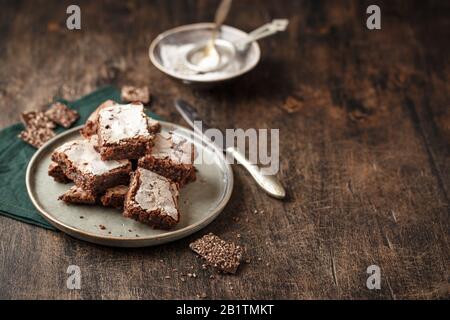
<point x="77" y="195"/>
<point x="123" y="131"/>
<point x="36" y="136"/>
<point x="38" y="128"/>
<point x="82" y="164"/>
<point x="55" y="171"/>
<point x="114" y="197"/>
<point x="90" y="128"/>
<point x="135" y="94"/>
<point x="62" y="114"/>
<point x="152" y="199"/>
<point x="36" y="119"/>
<point x="222" y="255"/>
<point x="171" y="156"/>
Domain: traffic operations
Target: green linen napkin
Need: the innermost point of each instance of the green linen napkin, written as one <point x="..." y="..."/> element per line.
<point x="15" y="155"/>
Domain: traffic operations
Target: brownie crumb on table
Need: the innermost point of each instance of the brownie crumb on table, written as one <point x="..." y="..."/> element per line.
<point x="135" y="94"/>
<point x="152" y="199"/>
<point x="222" y="255"/>
<point x="62" y="114"/>
<point x="55" y="171"/>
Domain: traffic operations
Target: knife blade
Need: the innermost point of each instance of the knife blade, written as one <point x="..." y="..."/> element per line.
<point x="269" y="183"/>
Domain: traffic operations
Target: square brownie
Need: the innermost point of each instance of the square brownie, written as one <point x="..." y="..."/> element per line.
<point x="81" y="163"/>
<point x="152" y="199"/>
<point x="90" y="127"/>
<point x="77" y="195"/>
<point x="114" y="197"/>
<point x="124" y="131"/>
<point x="171" y="156"/>
<point x="55" y="171"/>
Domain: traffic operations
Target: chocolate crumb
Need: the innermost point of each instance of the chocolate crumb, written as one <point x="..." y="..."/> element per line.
<point x="102" y="227"/>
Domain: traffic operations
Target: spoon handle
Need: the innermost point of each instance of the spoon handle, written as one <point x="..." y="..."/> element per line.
<point x="266" y="30"/>
<point x="269" y="183"/>
<point x="221" y="14"/>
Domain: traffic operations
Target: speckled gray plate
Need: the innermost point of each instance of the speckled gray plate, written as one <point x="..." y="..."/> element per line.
<point x="200" y="201"/>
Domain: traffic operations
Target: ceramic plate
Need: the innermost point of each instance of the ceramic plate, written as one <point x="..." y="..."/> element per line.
<point x="200" y="201"/>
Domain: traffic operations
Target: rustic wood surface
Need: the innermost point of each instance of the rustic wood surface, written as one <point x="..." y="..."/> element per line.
<point x="365" y="155"/>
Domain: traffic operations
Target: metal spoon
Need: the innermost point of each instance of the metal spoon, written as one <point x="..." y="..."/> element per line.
<point x="209" y="58"/>
<point x="227" y="50"/>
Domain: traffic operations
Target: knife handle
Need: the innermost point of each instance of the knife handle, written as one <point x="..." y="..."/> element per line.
<point x="269" y="183"/>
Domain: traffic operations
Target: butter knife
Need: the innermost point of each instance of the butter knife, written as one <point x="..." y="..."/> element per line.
<point x="269" y="183"/>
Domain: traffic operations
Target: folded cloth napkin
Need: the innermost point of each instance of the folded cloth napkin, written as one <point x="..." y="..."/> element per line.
<point x="15" y="155"/>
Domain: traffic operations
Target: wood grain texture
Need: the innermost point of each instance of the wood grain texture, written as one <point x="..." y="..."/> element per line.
<point x="364" y="124"/>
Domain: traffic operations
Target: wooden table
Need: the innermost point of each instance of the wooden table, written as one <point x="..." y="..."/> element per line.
<point x="364" y="123"/>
